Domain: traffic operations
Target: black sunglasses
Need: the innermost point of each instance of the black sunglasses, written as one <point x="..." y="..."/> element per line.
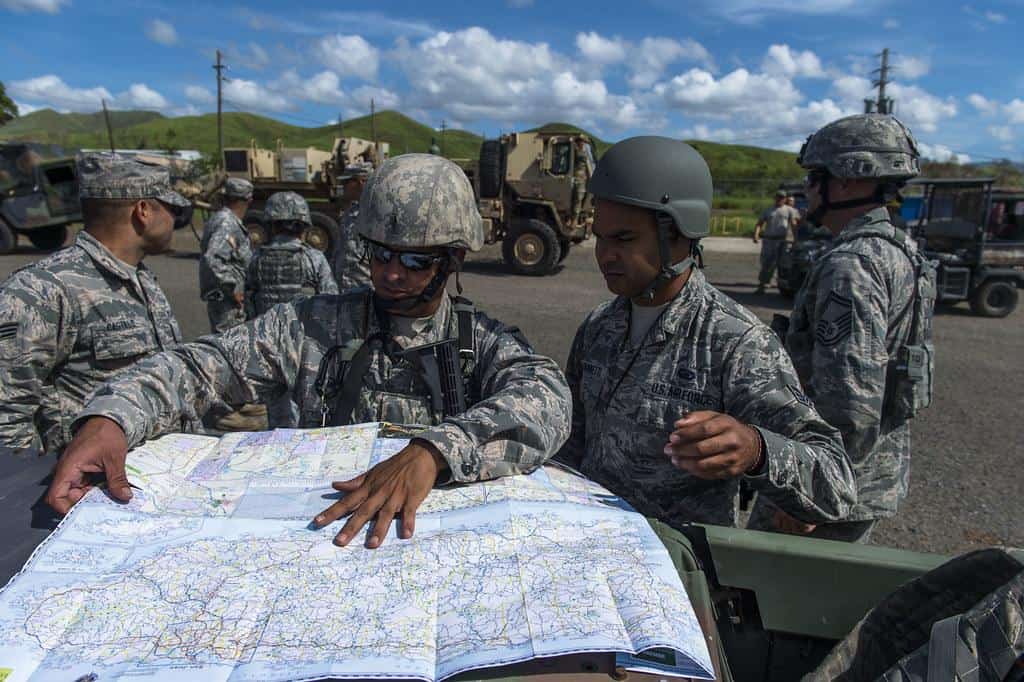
<point x="410" y="260"/>
<point x="182" y="214"/>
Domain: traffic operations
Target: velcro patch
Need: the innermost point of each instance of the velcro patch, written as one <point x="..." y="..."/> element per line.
<point x="800" y="396"/>
<point x="836" y="323"/>
<point x="9" y="344"/>
<point x="9" y="331"/>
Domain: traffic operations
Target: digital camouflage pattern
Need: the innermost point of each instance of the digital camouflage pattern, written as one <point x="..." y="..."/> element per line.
<point x="418" y="201"/>
<point x="286" y="206"/>
<point x="350" y="264"/>
<point x="283" y="271"/>
<point x="705" y="353"/>
<point x="851" y="316"/>
<point x="103" y="175"/>
<point x="226" y="252"/>
<point x="68" y="323"/>
<point x="237" y="188"/>
<point x="519" y="418"/>
<point x="864" y="146"/>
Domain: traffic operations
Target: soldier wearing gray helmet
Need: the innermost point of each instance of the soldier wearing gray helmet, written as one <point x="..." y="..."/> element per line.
<point x="226" y="251"/>
<point x="75" y="319"/>
<point x="860" y="335"/>
<point x="678" y="392"/>
<point x="350" y="264"/>
<point x="404" y="352"/>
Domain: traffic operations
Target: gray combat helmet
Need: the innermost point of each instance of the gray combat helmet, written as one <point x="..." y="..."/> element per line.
<point x="865" y="146"/>
<point x="282" y="206"/>
<point x="665" y="175"/>
<point x="418" y="201"/>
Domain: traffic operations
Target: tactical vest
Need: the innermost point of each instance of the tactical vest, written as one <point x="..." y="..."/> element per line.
<point x="282" y="276"/>
<point x="445" y="367"/>
<point x="909" y="379"/>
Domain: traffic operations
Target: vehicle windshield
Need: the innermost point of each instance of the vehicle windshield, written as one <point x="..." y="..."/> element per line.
<point x="959" y="203"/>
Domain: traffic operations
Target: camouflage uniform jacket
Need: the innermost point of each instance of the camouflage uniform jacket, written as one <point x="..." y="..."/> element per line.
<point x="68" y="324"/>
<point x="351" y="268"/>
<point x="226" y="254"/>
<point x="706" y="352"/>
<point x="849" y="318"/>
<point x="520" y="402"/>
<point x="284" y="270"/>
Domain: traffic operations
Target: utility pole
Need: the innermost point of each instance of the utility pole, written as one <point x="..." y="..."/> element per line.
<point x="444" y="127"/>
<point x="883" y="104"/>
<point x="110" y="131"/>
<point x="373" y="129"/>
<point x="219" y="67"/>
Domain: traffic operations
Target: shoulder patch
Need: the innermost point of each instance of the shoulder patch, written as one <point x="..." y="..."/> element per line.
<point x="836" y="322"/>
<point x="9" y="344"/>
<point x="799" y="395"/>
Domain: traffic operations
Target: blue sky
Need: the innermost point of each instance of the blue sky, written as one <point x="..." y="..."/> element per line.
<point x="758" y="72"/>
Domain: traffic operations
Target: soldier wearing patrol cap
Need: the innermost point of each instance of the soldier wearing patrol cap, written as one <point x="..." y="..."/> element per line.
<point x="860" y="335"/>
<point x="226" y="252"/>
<point x="405" y="351"/>
<point x="679" y="393"/>
<point x="74" y="319"/>
<point x="350" y="265"/>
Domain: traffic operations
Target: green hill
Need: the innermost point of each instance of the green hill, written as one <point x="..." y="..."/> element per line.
<point x="47" y="125"/>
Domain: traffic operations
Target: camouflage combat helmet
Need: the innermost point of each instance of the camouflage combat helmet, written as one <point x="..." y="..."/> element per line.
<point x="665" y="175"/>
<point x="288" y="206"/>
<point x="417" y="201"/>
<point x="865" y="146"/>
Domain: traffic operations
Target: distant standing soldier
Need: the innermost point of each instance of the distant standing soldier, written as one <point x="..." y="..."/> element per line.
<point x="580" y="175"/>
<point x="76" y="318"/>
<point x="779" y="224"/>
<point x="226" y="251"/>
<point x="860" y="336"/>
<point x="350" y="264"/>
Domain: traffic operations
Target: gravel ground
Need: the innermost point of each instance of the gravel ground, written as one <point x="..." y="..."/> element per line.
<point x="967" y="454"/>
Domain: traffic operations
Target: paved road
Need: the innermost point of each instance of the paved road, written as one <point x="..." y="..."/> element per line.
<point x="968" y="464"/>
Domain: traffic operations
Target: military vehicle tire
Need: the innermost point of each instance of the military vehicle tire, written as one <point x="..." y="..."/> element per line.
<point x="531" y="248"/>
<point x="258" y="232"/>
<point x="490" y="169"/>
<point x="8" y="239"/>
<point x="563" y="252"/>
<point x="995" y="298"/>
<point x="322" y="235"/>
<point x="48" y="238"/>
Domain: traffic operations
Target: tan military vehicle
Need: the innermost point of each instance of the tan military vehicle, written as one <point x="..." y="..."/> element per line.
<point x="531" y="189"/>
<point x="312" y="173"/>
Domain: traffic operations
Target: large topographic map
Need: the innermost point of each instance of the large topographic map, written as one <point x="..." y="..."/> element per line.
<point x="212" y="572"/>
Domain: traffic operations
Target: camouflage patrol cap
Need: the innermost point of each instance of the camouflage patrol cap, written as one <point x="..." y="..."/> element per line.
<point x="865" y="146"/>
<point x="286" y="206"/>
<point x="781" y="194"/>
<point x="112" y="176"/>
<point x="418" y="201"/>
<point x="356" y="170"/>
<point x="237" y="188"/>
<point x="665" y="175"/>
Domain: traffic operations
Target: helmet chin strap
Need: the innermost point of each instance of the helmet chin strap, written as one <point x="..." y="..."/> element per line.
<point x="669" y="270"/>
<point x="817" y="215"/>
<point x="407" y="303"/>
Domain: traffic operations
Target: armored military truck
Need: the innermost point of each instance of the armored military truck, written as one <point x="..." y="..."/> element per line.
<point x="38" y="198"/>
<point x="532" y="195"/>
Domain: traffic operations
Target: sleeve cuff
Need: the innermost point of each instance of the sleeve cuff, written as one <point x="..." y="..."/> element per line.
<point x="456" y="449"/>
<point x="772" y="445"/>
<point x="118" y="411"/>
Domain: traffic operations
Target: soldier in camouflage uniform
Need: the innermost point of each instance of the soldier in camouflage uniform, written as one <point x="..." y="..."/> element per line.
<point x="226" y="251"/>
<point x="580" y="175"/>
<point x="860" y="335"/>
<point x="75" y="319"/>
<point x="350" y="263"/>
<point x="287" y="268"/>
<point x="678" y="392"/>
<point x="356" y="358"/>
<point x="779" y="225"/>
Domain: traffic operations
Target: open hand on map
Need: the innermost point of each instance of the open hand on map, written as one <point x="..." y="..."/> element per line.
<point x="99" y="447"/>
<point x="395" y="486"/>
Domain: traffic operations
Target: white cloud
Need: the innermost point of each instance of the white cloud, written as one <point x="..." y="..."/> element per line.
<point x="600" y="50"/>
<point x="916" y="107"/>
<point x="349" y="55"/>
<point x="47" y="6"/>
<point x="891" y="24"/>
<point x="995" y="17"/>
<point x="1015" y="111"/>
<point x="322" y="88"/>
<point x="653" y="55"/>
<point x="162" y="32"/>
<point x="25" y="109"/>
<point x="910" y="67"/>
<point x="983" y="104"/>
<point x="246" y="94"/>
<point x="699" y="92"/>
<point x="1001" y="133"/>
<point x="382" y="98"/>
<point x="53" y="91"/>
<point x="199" y="94"/>
<point x="753" y="11"/>
<point x="783" y="61"/>
<point x="141" y="96"/>
<point x="942" y="153"/>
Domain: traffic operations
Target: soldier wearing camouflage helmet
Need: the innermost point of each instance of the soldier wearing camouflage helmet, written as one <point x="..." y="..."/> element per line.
<point x="679" y="394"/>
<point x="225" y="254"/>
<point x="350" y="264"/>
<point x="369" y="355"/>
<point x="78" y="317"/>
<point x="860" y="334"/>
